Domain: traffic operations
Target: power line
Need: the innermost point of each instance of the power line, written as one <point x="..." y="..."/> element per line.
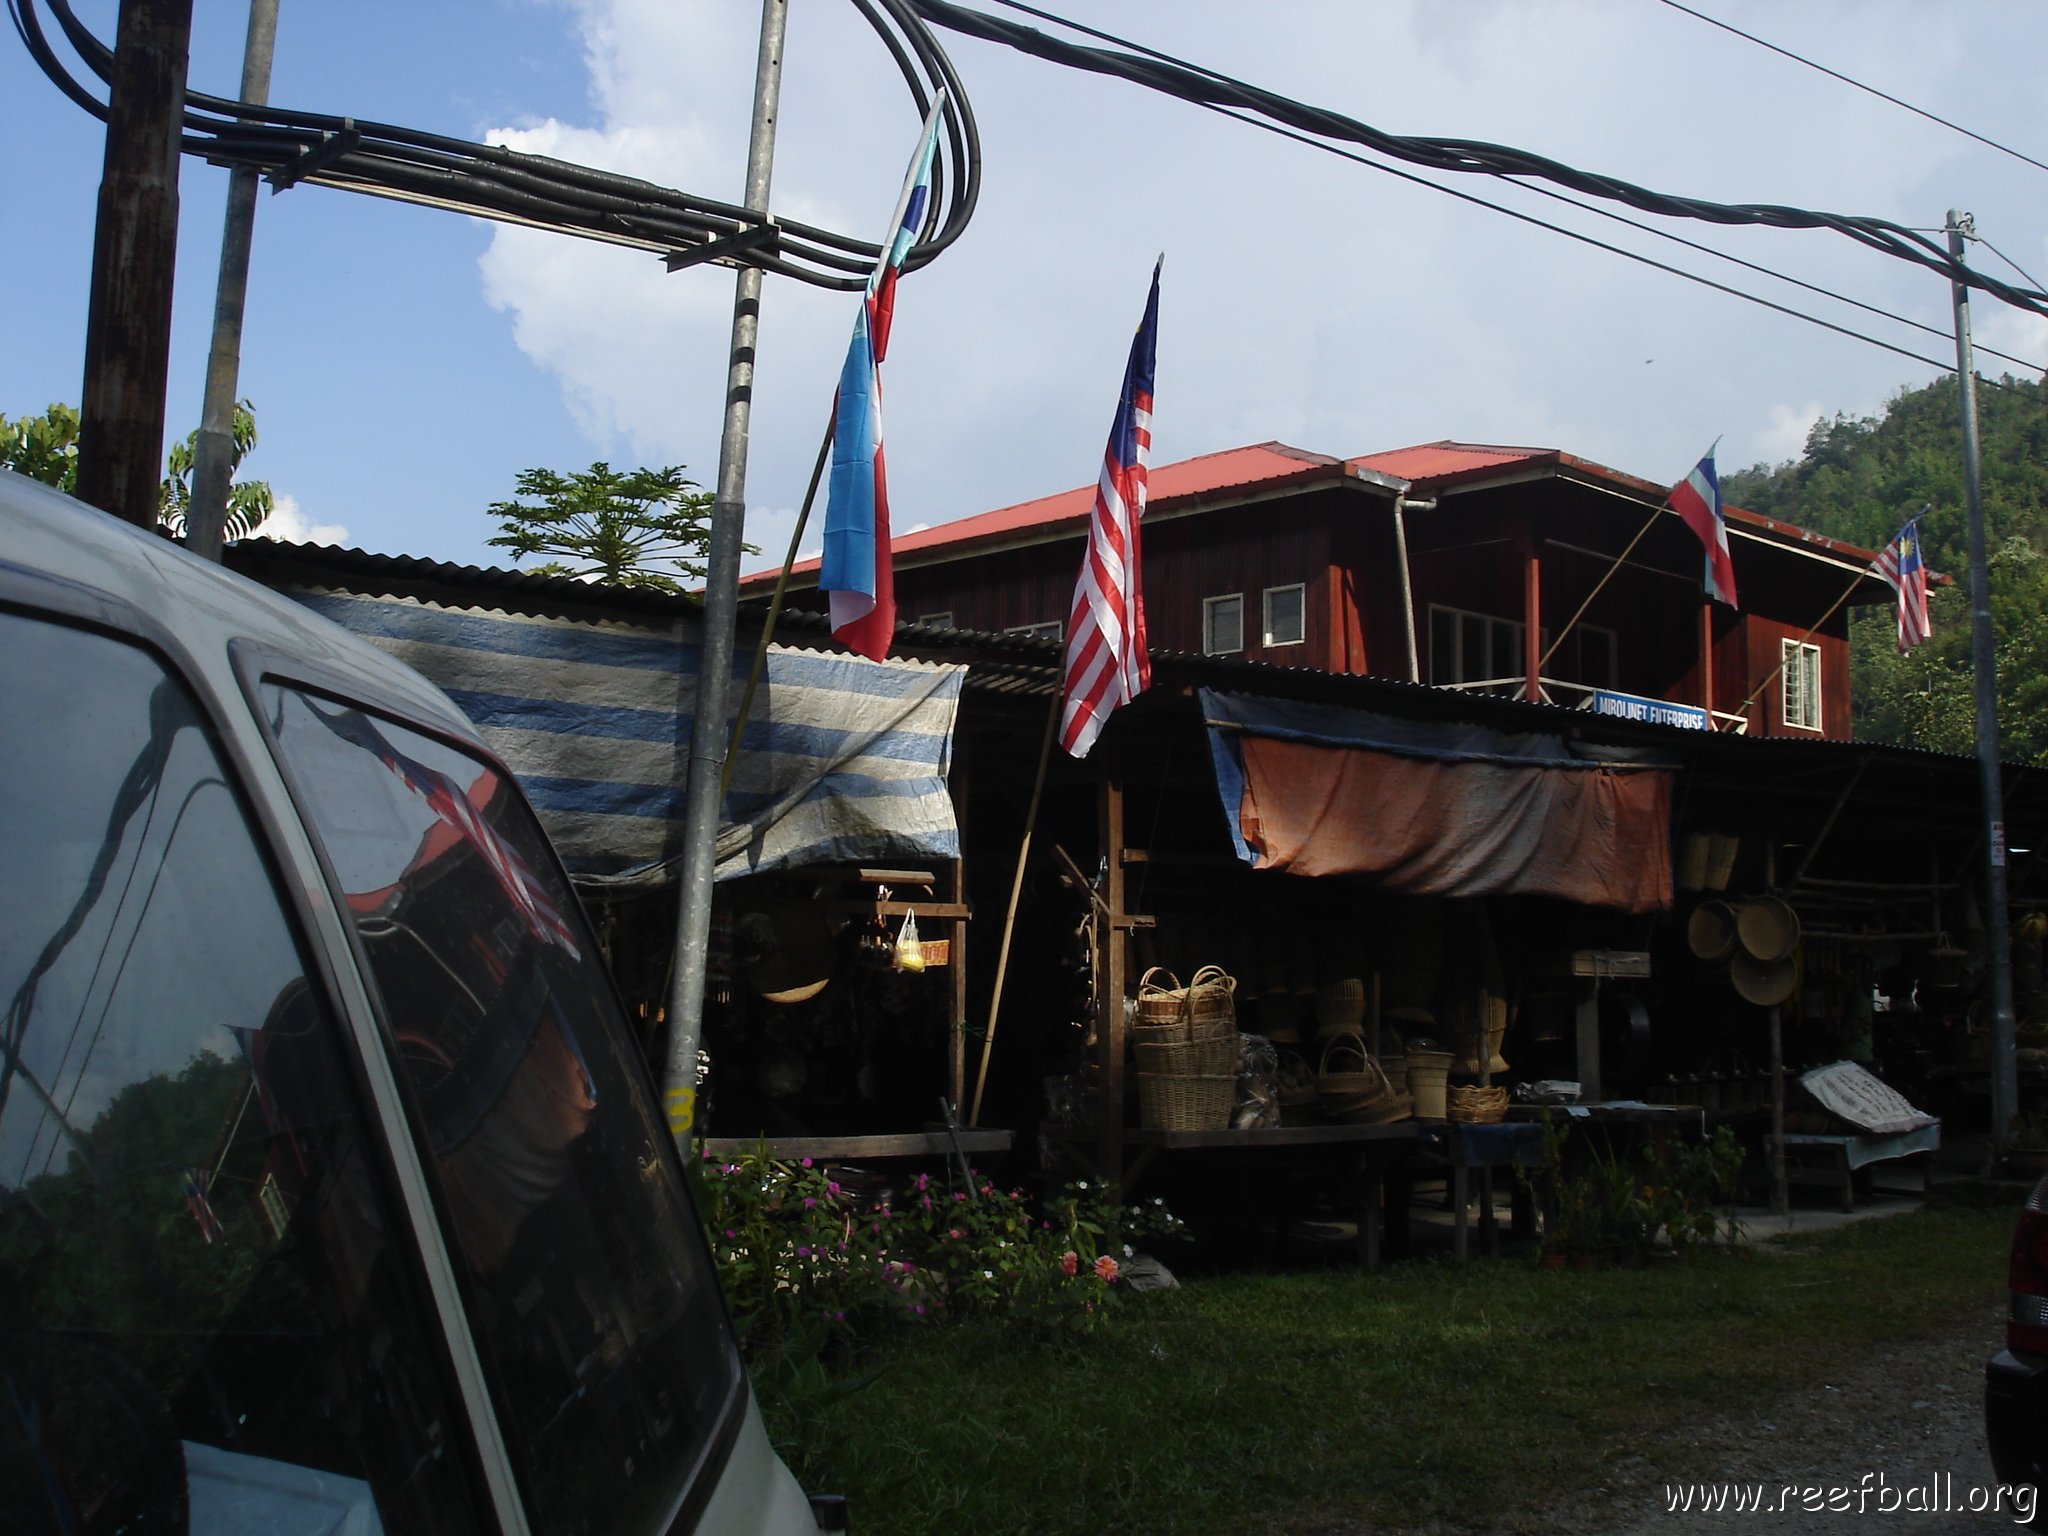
<point x="1204" y="87"/>
<point x="1327" y="147"/>
<point x="1994" y="250"/>
<point x="1585" y="239"/>
<point x="1836" y="74"/>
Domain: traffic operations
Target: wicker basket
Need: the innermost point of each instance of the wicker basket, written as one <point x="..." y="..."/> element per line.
<point x="1185" y="1103"/>
<point x="1187" y="1058"/>
<point x="1340" y="1007"/>
<point x="1212" y="1004"/>
<point x="1352" y="1086"/>
<point x="1475" y="1105"/>
<point x="1162" y="1006"/>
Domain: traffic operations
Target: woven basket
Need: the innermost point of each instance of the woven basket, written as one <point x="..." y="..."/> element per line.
<point x="1162" y="1005"/>
<point x="1475" y="1105"/>
<point x="1187" y="1058"/>
<point x="1185" y="1103"/>
<point x="1212" y="1004"/>
<point x="1340" y="1007"/>
<point x="1351" y="1085"/>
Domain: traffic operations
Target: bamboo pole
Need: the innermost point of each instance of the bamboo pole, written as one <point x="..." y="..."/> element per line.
<point x="1599" y="586"/>
<point x="1854" y="582"/>
<point x="995" y="1002"/>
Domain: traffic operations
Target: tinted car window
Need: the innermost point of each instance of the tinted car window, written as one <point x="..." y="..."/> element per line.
<point x="202" y="1309"/>
<point x="596" y="1309"/>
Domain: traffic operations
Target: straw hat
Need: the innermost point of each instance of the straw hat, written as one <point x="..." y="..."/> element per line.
<point x="1767" y="927"/>
<point x="787" y="955"/>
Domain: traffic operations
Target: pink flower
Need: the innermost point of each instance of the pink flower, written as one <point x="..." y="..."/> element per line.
<point x="1105" y="1270"/>
<point x="1070" y="1262"/>
<point x="809" y="1203"/>
<point x="803" y="1162"/>
<point x="956" y="1234"/>
<point x="925" y="1201"/>
<point x="959" y="1195"/>
<point x="924" y="1181"/>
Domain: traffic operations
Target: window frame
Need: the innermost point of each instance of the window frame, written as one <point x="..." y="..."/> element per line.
<point x="1266" y="637"/>
<point x="1210" y="607"/>
<point x="1044" y="629"/>
<point x="1800" y="658"/>
<point x="1459" y="617"/>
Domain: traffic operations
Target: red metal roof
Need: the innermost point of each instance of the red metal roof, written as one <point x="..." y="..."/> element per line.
<point x="1264" y="467"/>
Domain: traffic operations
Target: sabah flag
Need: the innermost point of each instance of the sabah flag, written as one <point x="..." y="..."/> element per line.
<point x="1697" y="499"/>
<point x="855" y="572"/>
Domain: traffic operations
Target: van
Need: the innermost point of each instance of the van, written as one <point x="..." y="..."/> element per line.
<point x="333" y="1192"/>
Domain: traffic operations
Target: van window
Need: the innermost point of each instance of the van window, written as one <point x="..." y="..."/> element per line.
<point x="594" y="1303"/>
<point x="203" y="1306"/>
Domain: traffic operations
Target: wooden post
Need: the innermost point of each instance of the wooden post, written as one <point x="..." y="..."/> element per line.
<point x="1707" y="658"/>
<point x="1532" y="618"/>
<point x="1109" y="1025"/>
<point x="956" y="955"/>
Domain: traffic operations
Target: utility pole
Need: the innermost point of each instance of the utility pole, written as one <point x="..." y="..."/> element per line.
<point x="213" y="455"/>
<point x="134" y="259"/>
<point x="2004" y="1064"/>
<point x="721" y="607"/>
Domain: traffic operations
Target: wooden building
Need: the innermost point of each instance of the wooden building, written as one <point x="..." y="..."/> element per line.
<point x="1454" y="564"/>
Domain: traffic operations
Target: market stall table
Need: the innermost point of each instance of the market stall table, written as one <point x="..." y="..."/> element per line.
<point x="1365" y="1151"/>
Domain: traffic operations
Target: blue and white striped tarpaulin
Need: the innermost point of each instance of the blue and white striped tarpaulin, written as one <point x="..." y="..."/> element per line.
<point x="843" y="759"/>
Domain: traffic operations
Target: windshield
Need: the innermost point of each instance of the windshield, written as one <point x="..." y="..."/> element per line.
<point x="595" y="1305"/>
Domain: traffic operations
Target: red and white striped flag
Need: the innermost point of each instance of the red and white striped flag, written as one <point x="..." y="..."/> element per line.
<point x="1901" y="565"/>
<point x="1107" y="663"/>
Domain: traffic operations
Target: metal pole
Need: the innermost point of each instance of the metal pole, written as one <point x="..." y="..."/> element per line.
<point x="1407" y="585"/>
<point x="134" y="260"/>
<point x="721" y="606"/>
<point x="2005" y="1103"/>
<point x="213" y="454"/>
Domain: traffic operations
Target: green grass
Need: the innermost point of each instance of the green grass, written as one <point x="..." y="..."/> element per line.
<point x="1430" y="1391"/>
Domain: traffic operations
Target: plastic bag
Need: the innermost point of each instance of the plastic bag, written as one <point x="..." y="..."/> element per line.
<point x="909" y="950"/>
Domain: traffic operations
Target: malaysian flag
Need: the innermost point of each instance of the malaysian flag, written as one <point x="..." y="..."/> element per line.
<point x="855" y="573"/>
<point x="1107" y="663"/>
<point x="1900" y="565"/>
<point x="1697" y="499"/>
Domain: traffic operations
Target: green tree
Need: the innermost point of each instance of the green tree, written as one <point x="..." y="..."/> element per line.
<point x="645" y="528"/>
<point x="42" y="447"/>
<point x="1860" y="479"/>
<point x="45" y="448"/>
<point x="249" y="501"/>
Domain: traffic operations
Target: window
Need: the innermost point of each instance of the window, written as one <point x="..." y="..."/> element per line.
<point x="937" y="620"/>
<point x="1052" y="629"/>
<point x="1284" y="615"/>
<point x="1473" y="647"/>
<point x="596" y="1310"/>
<point x="1802" y="684"/>
<point x="202" y="1285"/>
<point x="1223" y="625"/>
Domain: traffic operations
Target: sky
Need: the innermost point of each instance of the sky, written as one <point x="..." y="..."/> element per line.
<point x="406" y="364"/>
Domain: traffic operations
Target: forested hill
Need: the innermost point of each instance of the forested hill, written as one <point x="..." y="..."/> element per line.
<point x="1859" y="479"/>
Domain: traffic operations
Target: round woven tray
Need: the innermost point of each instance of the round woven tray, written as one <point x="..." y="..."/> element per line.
<point x="1185" y="1103"/>
<point x="1352" y="1086"/>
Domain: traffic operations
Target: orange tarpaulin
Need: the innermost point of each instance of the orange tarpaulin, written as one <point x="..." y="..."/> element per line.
<point x="1594" y="834"/>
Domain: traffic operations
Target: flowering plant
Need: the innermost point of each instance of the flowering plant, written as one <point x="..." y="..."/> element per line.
<point x="808" y="1262"/>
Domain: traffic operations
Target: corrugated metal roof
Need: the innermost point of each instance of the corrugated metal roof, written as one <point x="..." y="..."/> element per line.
<point x="1262" y="468"/>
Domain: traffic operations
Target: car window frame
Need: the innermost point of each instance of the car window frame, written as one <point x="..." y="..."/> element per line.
<point x="256" y="665"/>
<point x="35" y="596"/>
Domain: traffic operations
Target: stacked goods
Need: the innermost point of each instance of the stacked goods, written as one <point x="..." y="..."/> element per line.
<point x="1340" y="1008"/>
<point x="1185" y="1041"/>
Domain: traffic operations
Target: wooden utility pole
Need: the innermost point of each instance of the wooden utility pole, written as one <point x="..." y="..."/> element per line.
<point x="134" y="258"/>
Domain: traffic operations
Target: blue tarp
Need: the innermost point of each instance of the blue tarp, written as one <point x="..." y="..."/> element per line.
<point x="842" y="760"/>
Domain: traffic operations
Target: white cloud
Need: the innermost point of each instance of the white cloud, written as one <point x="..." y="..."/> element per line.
<point x="1785" y="437"/>
<point x="288" y="523"/>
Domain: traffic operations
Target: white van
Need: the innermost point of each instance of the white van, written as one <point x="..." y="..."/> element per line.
<point x="333" y="1194"/>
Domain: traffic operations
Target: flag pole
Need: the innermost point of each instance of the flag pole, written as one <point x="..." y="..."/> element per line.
<point x="803" y="518"/>
<point x="995" y="1001"/>
<point x="1599" y="586"/>
<point x="1854" y="582"/>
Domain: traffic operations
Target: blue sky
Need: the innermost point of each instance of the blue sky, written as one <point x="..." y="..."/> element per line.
<point x="406" y="364"/>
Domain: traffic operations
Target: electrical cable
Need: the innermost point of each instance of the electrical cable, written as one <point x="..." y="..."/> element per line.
<point x="1203" y="87"/>
<point x="1797" y="58"/>
<point x="1636" y="256"/>
<point x="490" y="181"/>
<point x="1994" y="250"/>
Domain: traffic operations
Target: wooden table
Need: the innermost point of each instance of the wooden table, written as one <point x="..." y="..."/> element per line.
<point x="1366" y="1148"/>
<point x="931" y="1142"/>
